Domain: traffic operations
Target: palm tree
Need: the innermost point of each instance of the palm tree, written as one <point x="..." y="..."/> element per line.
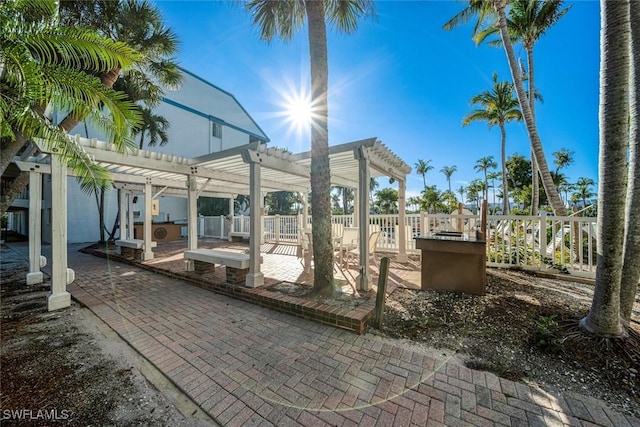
<point x="422" y="167"/>
<point x="493" y="176"/>
<point x="155" y="126"/>
<point x="499" y="107"/>
<point x="528" y="20"/>
<point x="139" y="24"/>
<point x="35" y="74"/>
<point x="461" y="192"/>
<point x="495" y="11"/>
<point x="583" y="190"/>
<point x="448" y="171"/>
<point x="282" y="19"/>
<point x="631" y="267"/>
<point x="615" y="65"/>
<point x="373" y="185"/>
<point x="483" y="164"/>
<point x="562" y="158"/>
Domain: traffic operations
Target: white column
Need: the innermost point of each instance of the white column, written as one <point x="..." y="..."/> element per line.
<point x="130" y="218"/>
<point x="305" y="210"/>
<point x="255" y="278"/>
<point x="123" y="214"/>
<point x="363" y="219"/>
<point x="231" y="215"/>
<point x="60" y="275"/>
<point x="192" y="213"/>
<point x="36" y="259"/>
<point x="148" y="253"/>
<point x="402" y="229"/>
<point x="192" y="220"/>
<point x="356" y="207"/>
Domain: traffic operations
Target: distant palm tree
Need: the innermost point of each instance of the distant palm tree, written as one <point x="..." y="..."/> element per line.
<point x="499" y="106"/>
<point x="373" y="185"/>
<point x="282" y="19"/>
<point x="583" y="190"/>
<point x="493" y="176"/>
<point x="562" y="158"/>
<point x="461" y="192"/>
<point x="422" y="167"/>
<point x="482" y="165"/>
<point x="448" y="171"/>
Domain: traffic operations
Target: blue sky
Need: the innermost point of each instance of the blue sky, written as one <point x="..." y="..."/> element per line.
<point x="403" y="79"/>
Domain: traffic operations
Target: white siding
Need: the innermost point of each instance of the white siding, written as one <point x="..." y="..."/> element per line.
<point x="190" y="110"/>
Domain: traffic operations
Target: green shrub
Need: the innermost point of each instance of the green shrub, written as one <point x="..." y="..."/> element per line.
<point x="545" y="335"/>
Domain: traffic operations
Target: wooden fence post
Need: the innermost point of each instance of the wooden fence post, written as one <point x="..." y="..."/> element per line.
<point x="382" y="290"/>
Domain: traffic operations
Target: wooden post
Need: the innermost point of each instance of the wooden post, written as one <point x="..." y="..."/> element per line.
<point x="381" y="293"/>
<point x="35" y="276"/>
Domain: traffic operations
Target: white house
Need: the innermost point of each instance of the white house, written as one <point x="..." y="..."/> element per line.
<point x="203" y="119"/>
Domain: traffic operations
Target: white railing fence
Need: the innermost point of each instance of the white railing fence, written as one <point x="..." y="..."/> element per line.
<point x="540" y="242"/>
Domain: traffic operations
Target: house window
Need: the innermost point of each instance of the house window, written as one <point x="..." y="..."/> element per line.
<point x="216" y="130"/>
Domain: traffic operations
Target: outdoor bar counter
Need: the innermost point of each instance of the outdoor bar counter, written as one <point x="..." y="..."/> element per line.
<point x="453" y="262"/>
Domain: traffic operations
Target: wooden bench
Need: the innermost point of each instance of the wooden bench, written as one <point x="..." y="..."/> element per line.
<point x="204" y="260"/>
<point x="132" y="248"/>
<point x="237" y="236"/>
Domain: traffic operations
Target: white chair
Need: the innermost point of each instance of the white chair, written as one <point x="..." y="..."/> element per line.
<point x="348" y="242"/>
<point x="354" y="254"/>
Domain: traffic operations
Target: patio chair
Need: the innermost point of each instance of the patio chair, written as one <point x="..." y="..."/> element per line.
<point x="354" y="254"/>
<point x="347" y="242"/>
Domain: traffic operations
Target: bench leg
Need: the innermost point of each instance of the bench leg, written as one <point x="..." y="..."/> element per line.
<point x="128" y="253"/>
<point x="204" y="267"/>
<point x="237" y="276"/>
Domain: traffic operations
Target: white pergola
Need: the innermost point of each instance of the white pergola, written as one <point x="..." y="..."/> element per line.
<point x="251" y="169"/>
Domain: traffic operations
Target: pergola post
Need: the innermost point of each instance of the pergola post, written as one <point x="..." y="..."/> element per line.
<point x="402" y="234"/>
<point x="356" y="207"/>
<point x="305" y="210"/>
<point x="130" y="227"/>
<point x="231" y="215"/>
<point x="122" y="197"/>
<point x="363" y="218"/>
<point x="255" y="278"/>
<point x="61" y="276"/>
<point x="148" y="196"/>
<point x="192" y="220"/>
<point x="36" y="260"/>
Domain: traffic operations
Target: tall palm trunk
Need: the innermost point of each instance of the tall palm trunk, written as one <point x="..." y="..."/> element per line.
<point x="505" y="184"/>
<point x="631" y="267"/>
<point x="536" y="144"/>
<point x="320" y="172"/>
<point x="535" y="182"/>
<point x="604" y="315"/>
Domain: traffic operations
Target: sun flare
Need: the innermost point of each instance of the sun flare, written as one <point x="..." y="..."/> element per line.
<point x="299" y="111"/>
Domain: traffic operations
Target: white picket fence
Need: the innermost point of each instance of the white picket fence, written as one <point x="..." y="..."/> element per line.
<point x="529" y="242"/>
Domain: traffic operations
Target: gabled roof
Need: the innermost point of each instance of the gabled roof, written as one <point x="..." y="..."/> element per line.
<point x="200" y="97"/>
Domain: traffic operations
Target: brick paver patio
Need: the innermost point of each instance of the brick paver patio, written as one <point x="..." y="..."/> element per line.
<point x="248" y="365"/>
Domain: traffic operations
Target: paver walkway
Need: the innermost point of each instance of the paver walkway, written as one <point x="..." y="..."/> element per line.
<point x="247" y="365"/>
